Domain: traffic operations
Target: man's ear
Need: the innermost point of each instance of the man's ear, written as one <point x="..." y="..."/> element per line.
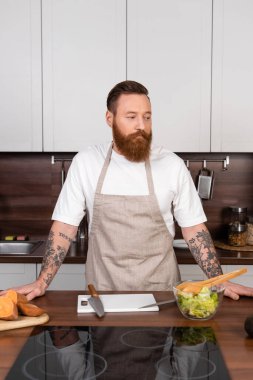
<point x="109" y="118"/>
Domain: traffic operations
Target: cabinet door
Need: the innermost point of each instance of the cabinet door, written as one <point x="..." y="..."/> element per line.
<point x="84" y="56"/>
<point x="68" y="277"/>
<point x="16" y="274"/>
<point x="191" y="272"/>
<point x="20" y="76"/>
<point x="232" y="111"/>
<point x="245" y="279"/>
<point x="169" y="51"/>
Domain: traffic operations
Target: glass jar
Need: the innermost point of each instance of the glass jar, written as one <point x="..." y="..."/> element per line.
<point x="238" y="215"/>
<point x="249" y="230"/>
<point x="237" y="234"/>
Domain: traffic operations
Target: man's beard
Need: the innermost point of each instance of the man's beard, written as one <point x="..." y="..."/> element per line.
<point x="135" y="147"/>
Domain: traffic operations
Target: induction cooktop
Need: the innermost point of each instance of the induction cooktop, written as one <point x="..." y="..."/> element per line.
<point x="119" y="353"/>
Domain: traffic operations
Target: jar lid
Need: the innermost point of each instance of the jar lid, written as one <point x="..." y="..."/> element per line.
<point x="237" y="227"/>
<point x="238" y="209"/>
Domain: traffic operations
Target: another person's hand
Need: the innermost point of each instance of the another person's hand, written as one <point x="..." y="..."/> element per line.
<point x="234" y="291"/>
<point x="32" y="290"/>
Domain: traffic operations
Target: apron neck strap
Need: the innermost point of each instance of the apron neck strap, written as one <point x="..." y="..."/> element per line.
<point x="149" y="177"/>
<point x="104" y="170"/>
<point x="105" y="167"/>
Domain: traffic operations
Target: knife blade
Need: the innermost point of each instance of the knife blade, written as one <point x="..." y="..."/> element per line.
<point x="95" y="301"/>
<point x="157" y="304"/>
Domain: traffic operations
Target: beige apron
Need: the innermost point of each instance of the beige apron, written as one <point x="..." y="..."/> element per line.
<point x="130" y="247"/>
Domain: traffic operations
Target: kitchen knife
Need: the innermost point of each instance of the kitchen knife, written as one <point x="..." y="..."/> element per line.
<point x="157" y="304"/>
<point x="95" y="301"/>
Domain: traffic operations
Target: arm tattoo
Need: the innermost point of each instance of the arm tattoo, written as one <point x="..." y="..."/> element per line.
<point x="203" y="251"/>
<point x="65" y="237"/>
<point x="52" y="259"/>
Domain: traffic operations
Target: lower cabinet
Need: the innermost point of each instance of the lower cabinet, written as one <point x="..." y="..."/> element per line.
<point x="68" y="277"/>
<point x="12" y="275"/>
<point x="193" y="272"/>
<point x="72" y="276"/>
<point x="245" y="279"/>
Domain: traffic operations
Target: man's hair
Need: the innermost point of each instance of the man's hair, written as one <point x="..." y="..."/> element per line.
<point x="126" y="87"/>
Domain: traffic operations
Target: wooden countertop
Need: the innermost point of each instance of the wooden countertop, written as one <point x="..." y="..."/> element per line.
<point x="228" y="325"/>
<point x="77" y="255"/>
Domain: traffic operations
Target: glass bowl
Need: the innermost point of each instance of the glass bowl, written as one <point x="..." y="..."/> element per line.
<point x="201" y="306"/>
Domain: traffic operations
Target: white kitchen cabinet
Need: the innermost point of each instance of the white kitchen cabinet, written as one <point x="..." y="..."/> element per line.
<point x="16" y="274"/>
<point x="245" y="279"/>
<point x="68" y="277"/>
<point x="191" y="272"/>
<point x="84" y="55"/>
<point x="20" y="76"/>
<point x="169" y="51"/>
<point x="232" y="79"/>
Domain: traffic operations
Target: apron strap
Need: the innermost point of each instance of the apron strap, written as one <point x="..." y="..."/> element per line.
<point x="104" y="170"/>
<point x="149" y="178"/>
<point x="105" y="167"/>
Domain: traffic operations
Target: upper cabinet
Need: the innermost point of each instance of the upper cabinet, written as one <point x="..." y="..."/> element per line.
<point x="232" y="79"/>
<point x="20" y="76"/>
<point x="84" y="55"/>
<point x="169" y="51"/>
<point x="60" y="58"/>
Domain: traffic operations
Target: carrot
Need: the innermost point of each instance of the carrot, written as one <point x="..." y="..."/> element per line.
<point x="16" y="297"/>
<point x="8" y="309"/>
<point x="30" y="310"/>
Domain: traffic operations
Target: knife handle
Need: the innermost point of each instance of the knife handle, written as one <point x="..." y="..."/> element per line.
<point x="93" y="291"/>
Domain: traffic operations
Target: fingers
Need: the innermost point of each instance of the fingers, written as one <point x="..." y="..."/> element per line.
<point x="229" y="293"/>
<point x="234" y="290"/>
<point x="30" y="290"/>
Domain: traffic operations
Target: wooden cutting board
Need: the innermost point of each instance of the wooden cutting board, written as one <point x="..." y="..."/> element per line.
<point x="222" y="245"/>
<point x="23" y="322"/>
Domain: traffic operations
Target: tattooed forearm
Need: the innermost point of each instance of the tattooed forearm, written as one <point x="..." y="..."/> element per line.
<point x="203" y="250"/>
<point x="65" y="237"/>
<point x="52" y="260"/>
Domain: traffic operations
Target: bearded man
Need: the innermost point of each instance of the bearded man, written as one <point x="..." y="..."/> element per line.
<point x="131" y="192"/>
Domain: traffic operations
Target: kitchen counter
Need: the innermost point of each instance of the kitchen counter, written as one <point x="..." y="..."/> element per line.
<point x="228" y="325"/>
<point x="77" y="255"/>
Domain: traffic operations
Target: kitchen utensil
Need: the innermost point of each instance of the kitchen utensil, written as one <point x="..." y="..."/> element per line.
<point x="205" y="183"/>
<point x="23" y="322"/>
<point x="119" y="303"/>
<point x="95" y="301"/>
<point x="195" y="287"/>
<point x="157" y="304"/>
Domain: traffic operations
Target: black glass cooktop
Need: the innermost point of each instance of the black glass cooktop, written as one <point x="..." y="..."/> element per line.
<point x="118" y="353"/>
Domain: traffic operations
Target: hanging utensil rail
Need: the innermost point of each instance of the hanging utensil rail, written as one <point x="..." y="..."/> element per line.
<point x="225" y="161"/>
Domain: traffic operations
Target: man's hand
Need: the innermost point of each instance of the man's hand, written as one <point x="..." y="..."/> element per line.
<point x="234" y="291"/>
<point x="35" y="289"/>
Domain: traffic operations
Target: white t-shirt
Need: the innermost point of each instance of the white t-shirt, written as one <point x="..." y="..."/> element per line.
<point x="173" y="185"/>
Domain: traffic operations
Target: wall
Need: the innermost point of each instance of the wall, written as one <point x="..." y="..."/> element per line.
<point x="30" y="184"/>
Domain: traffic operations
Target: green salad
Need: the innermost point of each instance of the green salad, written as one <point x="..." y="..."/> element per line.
<point x="200" y="305"/>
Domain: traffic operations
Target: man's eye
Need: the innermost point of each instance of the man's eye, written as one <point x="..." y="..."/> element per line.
<point x="130" y="117"/>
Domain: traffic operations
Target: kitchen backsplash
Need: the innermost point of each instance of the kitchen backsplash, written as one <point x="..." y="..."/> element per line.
<point x="30" y="184"/>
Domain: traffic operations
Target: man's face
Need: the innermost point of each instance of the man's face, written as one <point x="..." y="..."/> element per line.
<point x="132" y="126"/>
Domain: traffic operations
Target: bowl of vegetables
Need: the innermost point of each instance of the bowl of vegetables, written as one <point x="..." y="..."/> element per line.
<point x="202" y="305"/>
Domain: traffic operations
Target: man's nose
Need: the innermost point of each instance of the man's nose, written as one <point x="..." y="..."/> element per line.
<point x="140" y="124"/>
